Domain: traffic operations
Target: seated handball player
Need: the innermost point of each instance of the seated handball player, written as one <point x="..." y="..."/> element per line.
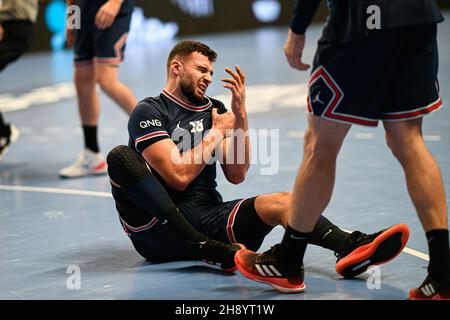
<point x="164" y="182"/>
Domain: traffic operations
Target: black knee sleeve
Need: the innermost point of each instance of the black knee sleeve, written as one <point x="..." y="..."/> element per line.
<point x="126" y="167"/>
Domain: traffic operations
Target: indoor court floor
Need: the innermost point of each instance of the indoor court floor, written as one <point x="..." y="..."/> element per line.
<point x="51" y="228"/>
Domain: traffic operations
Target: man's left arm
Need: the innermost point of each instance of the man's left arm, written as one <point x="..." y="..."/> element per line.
<point x="236" y="148"/>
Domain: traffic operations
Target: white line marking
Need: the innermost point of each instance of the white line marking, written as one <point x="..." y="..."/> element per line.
<point x="364" y="136"/>
<point x="431" y="138"/>
<point x="296" y="134"/>
<point x="55" y="190"/>
<point x="417" y="254"/>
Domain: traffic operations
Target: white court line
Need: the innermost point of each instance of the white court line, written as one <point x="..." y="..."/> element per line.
<point x="55" y="190"/>
<point x="432" y="138"/>
<point x="407" y="250"/>
<point x="417" y="254"/>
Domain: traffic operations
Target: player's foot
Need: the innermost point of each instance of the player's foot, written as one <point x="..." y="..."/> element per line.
<point x="264" y="267"/>
<point x="362" y="251"/>
<point x="8" y="137"/>
<point x="88" y="163"/>
<point x="219" y="253"/>
<point x="432" y="290"/>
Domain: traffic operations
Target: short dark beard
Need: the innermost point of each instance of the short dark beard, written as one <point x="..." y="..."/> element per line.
<point x="188" y="91"/>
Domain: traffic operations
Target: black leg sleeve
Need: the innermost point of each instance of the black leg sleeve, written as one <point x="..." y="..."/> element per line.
<point x="129" y="170"/>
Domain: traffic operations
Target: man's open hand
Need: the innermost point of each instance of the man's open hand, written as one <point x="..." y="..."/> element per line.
<point x="107" y="14"/>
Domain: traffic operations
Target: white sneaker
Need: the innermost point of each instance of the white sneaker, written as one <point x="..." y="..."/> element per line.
<point x="88" y="163"/>
<point x="6" y="141"/>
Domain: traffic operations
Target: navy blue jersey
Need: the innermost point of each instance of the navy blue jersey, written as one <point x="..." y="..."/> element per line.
<point x="92" y="6"/>
<point x="166" y="117"/>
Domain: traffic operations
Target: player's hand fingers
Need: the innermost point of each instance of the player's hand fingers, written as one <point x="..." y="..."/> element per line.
<point x="214" y="113"/>
<point x="109" y="21"/>
<point x="234" y="75"/>
<point x="99" y="20"/>
<point x="232" y="88"/>
<point x="230" y="81"/>
<point x="241" y="74"/>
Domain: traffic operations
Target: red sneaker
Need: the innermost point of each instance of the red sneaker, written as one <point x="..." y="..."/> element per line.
<point x="265" y="268"/>
<point x="362" y="251"/>
<point x="431" y="290"/>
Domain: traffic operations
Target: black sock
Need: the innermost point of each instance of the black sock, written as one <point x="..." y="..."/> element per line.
<point x="439" y="265"/>
<point x="292" y="250"/>
<point x="327" y="235"/>
<point x="90" y="138"/>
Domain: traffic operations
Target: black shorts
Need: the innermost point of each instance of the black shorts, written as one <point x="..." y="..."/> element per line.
<point x="390" y="76"/>
<point x="17" y="38"/>
<point x="106" y="46"/>
<point x="232" y="221"/>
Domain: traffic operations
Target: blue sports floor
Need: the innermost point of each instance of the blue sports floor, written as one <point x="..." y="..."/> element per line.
<point x="53" y="230"/>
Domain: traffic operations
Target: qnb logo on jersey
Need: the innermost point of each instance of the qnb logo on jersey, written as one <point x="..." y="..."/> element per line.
<point x="197" y="126"/>
<point x="149" y="123"/>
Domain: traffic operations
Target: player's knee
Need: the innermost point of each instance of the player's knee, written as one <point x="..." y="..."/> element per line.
<point x="106" y="84"/>
<point x="319" y="146"/>
<point x="84" y="76"/>
<point x="405" y="148"/>
<point x="125" y="167"/>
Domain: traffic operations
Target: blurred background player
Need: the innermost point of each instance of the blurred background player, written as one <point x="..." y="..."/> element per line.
<point x="16" y="33"/>
<point x="99" y="47"/>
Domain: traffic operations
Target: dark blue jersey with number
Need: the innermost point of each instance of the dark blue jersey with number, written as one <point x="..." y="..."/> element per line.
<point x="166" y="117"/>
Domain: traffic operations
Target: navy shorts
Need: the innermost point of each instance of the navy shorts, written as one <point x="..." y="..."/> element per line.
<point x="390" y="76"/>
<point x="106" y="46"/>
<point x="229" y="222"/>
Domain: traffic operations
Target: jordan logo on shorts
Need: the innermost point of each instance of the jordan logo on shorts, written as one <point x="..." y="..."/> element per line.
<point x="321" y="95"/>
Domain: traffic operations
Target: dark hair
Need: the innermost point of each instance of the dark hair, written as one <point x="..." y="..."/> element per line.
<point x="186" y="47"/>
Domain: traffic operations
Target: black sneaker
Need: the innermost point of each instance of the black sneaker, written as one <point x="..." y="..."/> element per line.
<point x="7" y="138"/>
<point x="432" y="290"/>
<point x="219" y="253"/>
<point x="264" y="267"/>
<point x="362" y="251"/>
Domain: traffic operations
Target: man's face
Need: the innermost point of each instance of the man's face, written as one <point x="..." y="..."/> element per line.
<point x="195" y="76"/>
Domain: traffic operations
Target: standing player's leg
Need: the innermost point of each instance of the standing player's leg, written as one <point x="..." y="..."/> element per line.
<point x="414" y="92"/>
<point x="426" y="189"/>
<point x="312" y="192"/>
<point x="90" y="160"/>
<point x="107" y="78"/>
<point x="110" y="53"/>
<point x="16" y="40"/>
<point x="356" y="251"/>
